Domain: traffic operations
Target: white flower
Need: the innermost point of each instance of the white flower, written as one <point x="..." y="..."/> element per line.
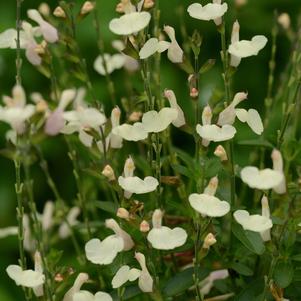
<point x="174" y="53"/>
<point x="164" y="238"/>
<point x="145" y="281"/>
<point x="87" y="296"/>
<point x="71" y="220"/>
<point x="49" y="32"/>
<point x="79" y="281"/>
<point x="130" y="132"/>
<point x="127" y="240"/>
<point x="152" y="46"/>
<point x="113" y="62"/>
<point x="155" y="122"/>
<point x="261" y="179"/>
<point x="130" y="23"/>
<point x="210" y="11"/>
<point x="137" y="185"/>
<point x="212" y="132"/>
<point x="244" y="48"/>
<point x="208" y="282"/>
<point x="104" y="252"/>
<point x="278" y="166"/>
<point x="170" y="95"/>
<point x="115" y="140"/>
<point x="208" y="205"/>
<point x="55" y="121"/>
<point x="227" y="116"/>
<point x="16" y="112"/>
<point x="83" y="119"/>
<point x="27" y="278"/>
<point x="123" y="275"/>
<point x="256" y="222"/>
<point x="252" y="118"/>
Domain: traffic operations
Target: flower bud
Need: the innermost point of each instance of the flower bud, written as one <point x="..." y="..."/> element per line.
<point x="148" y="4"/>
<point x="194" y="93"/>
<point x="87" y="7"/>
<point x="59" y="12"/>
<point x="44" y="9"/>
<point x="284" y="20"/>
<point x="123" y="213"/>
<point x="108" y="172"/>
<point x="135" y="116"/>
<point x="221" y="153"/>
<point x="240" y="3"/>
<point x="209" y="241"/>
<point x="144" y="226"/>
<point x="41" y="106"/>
<point x="58" y="277"/>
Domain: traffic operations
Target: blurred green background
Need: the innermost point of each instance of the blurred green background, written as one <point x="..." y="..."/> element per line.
<point x="256" y="17"/>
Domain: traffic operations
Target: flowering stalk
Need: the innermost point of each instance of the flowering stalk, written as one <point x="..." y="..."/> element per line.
<point x="227" y="85"/>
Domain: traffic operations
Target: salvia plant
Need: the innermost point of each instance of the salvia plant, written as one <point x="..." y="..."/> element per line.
<point x="154" y="219"/>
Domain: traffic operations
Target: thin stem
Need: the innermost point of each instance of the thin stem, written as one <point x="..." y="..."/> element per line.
<point x="18" y="58"/>
<point x="158" y="169"/>
<point x="100" y="44"/>
<point x="81" y="194"/>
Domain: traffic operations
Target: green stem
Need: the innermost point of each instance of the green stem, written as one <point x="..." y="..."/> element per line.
<point x="81" y="194"/>
<point x="100" y="44"/>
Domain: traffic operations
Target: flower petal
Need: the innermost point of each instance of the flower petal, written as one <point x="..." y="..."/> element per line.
<point x="130" y="23"/>
<point x="208" y="205"/>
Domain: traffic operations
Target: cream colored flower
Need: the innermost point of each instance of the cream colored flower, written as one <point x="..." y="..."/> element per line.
<point x="164" y="238"/>
<point x="261" y="179"/>
<point x="130" y="23"/>
<point x="211" y="11"/>
<point x="244" y="48"/>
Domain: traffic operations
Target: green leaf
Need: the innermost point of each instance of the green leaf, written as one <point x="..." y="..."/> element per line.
<point x="181" y="170"/>
<point x="283" y="273"/>
<point x="263" y="143"/>
<point x="296" y="257"/>
<point x="130" y="50"/>
<point x="107" y="206"/>
<point x="182" y="281"/>
<point x="212" y="167"/>
<point x="252" y="291"/>
<point x="241" y="269"/>
<point x="207" y="66"/>
<point x="251" y="240"/>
